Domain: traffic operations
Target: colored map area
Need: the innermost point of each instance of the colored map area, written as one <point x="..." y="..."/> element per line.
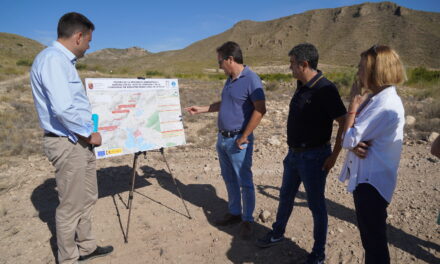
<point x="136" y="115"/>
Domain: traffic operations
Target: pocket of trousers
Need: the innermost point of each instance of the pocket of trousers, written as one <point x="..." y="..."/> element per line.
<point x="56" y="147"/>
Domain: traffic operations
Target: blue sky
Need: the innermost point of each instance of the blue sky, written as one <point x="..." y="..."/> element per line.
<point x="158" y="25"/>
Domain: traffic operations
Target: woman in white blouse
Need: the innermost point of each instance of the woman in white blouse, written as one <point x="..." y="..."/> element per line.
<point x="373" y="134"/>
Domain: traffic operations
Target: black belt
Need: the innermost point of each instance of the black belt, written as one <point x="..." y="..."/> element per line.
<point x="89" y="146"/>
<point x="302" y="149"/>
<point x="230" y="134"/>
<point x="50" y="134"/>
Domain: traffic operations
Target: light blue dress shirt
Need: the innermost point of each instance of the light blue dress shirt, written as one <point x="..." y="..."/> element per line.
<point x="59" y="95"/>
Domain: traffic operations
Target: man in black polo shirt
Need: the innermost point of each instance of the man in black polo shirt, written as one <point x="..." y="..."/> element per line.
<point x="313" y="108"/>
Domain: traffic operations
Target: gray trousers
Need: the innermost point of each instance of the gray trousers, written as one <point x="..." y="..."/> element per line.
<point x="77" y="186"/>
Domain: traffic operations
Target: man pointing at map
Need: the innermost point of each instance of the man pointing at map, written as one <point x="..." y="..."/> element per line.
<point x="65" y="115"/>
<point x="241" y="109"/>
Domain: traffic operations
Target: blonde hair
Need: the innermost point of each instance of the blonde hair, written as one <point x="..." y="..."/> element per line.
<point x="383" y="67"/>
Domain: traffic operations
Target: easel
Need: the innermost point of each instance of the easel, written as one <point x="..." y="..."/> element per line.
<point x="133" y="180"/>
<point x="130" y="194"/>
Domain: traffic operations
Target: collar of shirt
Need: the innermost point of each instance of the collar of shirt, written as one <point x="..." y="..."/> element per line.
<point x="72" y="58"/>
<point x="377" y="97"/>
<point x="384" y="93"/>
<point x="310" y="83"/>
<point x="242" y="74"/>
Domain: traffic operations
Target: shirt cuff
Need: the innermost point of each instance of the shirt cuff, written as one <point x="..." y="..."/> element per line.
<point x="86" y="132"/>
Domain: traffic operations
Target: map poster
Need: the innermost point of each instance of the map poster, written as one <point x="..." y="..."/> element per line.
<point x="135" y="115"/>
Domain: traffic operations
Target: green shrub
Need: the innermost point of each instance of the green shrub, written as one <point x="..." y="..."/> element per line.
<point x="13" y="71"/>
<point x="276" y="77"/>
<point x="217" y="77"/>
<point x="200" y="76"/>
<point x="24" y="62"/>
<point x="81" y="66"/>
<point x="421" y="75"/>
<point x="153" y="73"/>
<point x="343" y="80"/>
<point x="428" y="82"/>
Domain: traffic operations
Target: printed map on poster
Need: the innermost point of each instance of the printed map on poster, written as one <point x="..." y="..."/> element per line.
<point x="135" y="114"/>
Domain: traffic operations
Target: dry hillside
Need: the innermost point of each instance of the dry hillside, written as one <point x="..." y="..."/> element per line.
<point x="339" y="33"/>
<point x="16" y="54"/>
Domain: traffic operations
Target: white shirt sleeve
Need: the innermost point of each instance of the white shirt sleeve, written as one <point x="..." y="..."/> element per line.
<point x="368" y="125"/>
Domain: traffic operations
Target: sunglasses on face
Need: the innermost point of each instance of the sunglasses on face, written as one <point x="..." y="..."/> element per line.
<point x="221" y="60"/>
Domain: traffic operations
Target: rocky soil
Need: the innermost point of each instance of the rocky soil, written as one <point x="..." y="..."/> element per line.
<point x="162" y="231"/>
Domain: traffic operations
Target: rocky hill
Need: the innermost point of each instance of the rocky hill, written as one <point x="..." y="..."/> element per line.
<point x="339" y="33"/>
<point x="114" y="55"/>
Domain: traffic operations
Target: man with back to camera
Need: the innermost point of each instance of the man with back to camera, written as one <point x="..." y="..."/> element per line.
<point x="314" y="106"/>
<point x="65" y="115"/>
<point x="241" y="109"/>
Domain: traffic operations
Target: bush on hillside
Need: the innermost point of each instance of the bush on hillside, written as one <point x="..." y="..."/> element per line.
<point x="423" y="75"/>
<point x="81" y="66"/>
<point x="343" y="80"/>
<point x="276" y="77"/>
<point x="24" y="62"/>
<point x="153" y="73"/>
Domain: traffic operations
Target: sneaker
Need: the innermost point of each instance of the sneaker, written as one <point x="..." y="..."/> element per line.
<point x="314" y="258"/>
<point x="228" y="219"/>
<point x="268" y="240"/>
<point x="246" y="230"/>
<point x="99" y="252"/>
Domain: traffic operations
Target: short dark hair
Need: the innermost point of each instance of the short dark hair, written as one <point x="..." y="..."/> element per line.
<point x="73" y="22"/>
<point x="231" y="49"/>
<point x="305" y="52"/>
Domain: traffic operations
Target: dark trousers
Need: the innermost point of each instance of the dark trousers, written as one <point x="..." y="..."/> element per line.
<point x="305" y="167"/>
<point x="371" y="213"/>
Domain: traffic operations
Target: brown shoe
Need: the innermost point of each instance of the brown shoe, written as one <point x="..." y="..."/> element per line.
<point x="228" y="219"/>
<point x="246" y="230"/>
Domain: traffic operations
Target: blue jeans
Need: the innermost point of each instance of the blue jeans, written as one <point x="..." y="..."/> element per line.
<point x="305" y="167"/>
<point x="235" y="165"/>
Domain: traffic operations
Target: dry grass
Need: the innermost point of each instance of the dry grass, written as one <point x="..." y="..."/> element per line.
<point x="16" y="55"/>
<point x="429" y="119"/>
<point x="20" y="132"/>
<point x="427" y="114"/>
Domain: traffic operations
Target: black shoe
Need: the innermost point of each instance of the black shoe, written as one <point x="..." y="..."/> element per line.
<point x="246" y="230"/>
<point x="314" y="258"/>
<point x="269" y="240"/>
<point x="99" y="252"/>
<point x="228" y="219"/>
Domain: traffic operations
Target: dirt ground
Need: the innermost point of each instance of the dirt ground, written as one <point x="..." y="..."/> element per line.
<point x="161" y="231"/>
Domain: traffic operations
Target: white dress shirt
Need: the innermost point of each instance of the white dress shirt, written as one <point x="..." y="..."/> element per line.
<point x="59" y="95"/>
<point x="381" y="123"/>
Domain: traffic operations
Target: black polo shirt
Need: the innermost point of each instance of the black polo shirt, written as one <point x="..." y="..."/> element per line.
<point x="312" y="110"/>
